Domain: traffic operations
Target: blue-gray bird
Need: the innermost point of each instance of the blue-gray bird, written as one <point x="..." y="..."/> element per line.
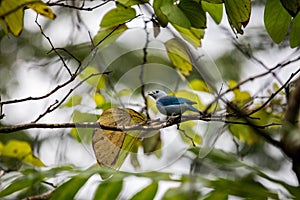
<point x="170" y="105"/>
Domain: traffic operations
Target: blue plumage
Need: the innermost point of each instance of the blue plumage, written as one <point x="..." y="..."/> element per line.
<point x="170" y="105"/>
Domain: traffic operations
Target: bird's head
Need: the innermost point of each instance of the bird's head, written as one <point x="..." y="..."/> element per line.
<point x="157" y="94"/>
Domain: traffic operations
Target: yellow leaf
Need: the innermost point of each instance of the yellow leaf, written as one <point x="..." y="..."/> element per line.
<point x="192" y="35"/>
<point x="244" y="133"/>
<point x="42" y="8"/>
<point x="1" y="148"/>
<point x="99" y="99"/>
<point x="12" y="12"/>
<point x="112" y="147"/>
<point x="16" y="149"/>
<point x="240" y="97"/>
<point x="22" y="151"/>
<point x="11" y="15"/>
<point x="199" y="85"/>
<point x="31" y="159"/>
<point x="178" y="54"/>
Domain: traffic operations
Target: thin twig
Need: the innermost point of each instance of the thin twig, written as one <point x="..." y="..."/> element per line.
<point x="280" y="65"/>
<point x="57" y="103"/>
<point x="141" y="75"/>
<point x="53" y="48"/>
<point x="78" y="7"/>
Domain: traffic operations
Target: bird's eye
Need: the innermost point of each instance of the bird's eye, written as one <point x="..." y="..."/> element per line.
<point x="156" y="91"/>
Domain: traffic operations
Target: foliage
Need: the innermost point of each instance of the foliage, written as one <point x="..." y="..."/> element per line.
<point x="107" y="79"/>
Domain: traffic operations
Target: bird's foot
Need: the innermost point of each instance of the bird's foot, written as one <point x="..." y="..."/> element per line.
<point x="174" y="119"/>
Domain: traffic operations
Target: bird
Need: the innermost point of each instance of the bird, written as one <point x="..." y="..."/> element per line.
<point x="170" y="105"/>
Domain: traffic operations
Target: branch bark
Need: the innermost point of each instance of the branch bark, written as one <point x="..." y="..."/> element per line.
<point x="290" y="134"/>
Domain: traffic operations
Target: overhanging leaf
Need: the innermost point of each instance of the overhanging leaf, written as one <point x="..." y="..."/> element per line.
<point x="292" y="6"/>
<point x="128" y="3"/>
<point x="194" y="12"/>
<point x="108" y="35"/>
<point x="215" y="10"/>
<point x="192" y="35"/>
<point x="238" y="12"/>
<point x="277" y="20"/>
<point x="175" y="15"/>
<point x="117" y="16"/>
<point x="295" y="32"/>
<point x="160" y="16"/>
<point x="179" y="56"/>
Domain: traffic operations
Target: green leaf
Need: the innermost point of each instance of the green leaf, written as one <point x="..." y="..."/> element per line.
<point x="69" y="189"/>
<point x="109" y="189"/>
<point x="238" y="12"/>
<point x="178" y="55"/>
<point x="17" y="185"/>
<point x="215" y="10"/>
<point x="129" y="3"/>
<point x="134" y="161"/>
<point x="108" y="35"/>
<point x="216" y="195"/>
<point x="187" y="133"/>
<point x="244" y="133"/>
<point x="251" y="189"/>
<point x="83" y="134"/>
<point x="182" y="192"/>
<point x="175" y="15"/>
<point x="194" y="12"/>
<point x="214" y="1"/>
<point x="73" y="101"/>
<point x="277" y="20"/>
<point x="124" y="92"/>
<point x="98" y="81"/>
<point x="160" y="16"/>
<point x="192" y="35"/>
<point x="295" y="32"/>
<point x="152" y="144"/>
<point x="292" y="6"/>
<point x="117" y="16"/>
<point x="83" y="117"/>
<point x="148" y="192"/>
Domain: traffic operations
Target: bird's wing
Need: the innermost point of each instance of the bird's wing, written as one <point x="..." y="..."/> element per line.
<point x="184" y="100"/>
<point x="170" y="100"/>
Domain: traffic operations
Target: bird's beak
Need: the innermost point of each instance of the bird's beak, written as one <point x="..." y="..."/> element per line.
<point x="150" y="93"/>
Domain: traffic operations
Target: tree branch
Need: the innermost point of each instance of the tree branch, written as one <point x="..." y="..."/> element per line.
<point x="143" y="126"/>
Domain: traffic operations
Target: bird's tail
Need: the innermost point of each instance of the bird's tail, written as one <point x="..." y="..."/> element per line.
<point x="192" y="108"/>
